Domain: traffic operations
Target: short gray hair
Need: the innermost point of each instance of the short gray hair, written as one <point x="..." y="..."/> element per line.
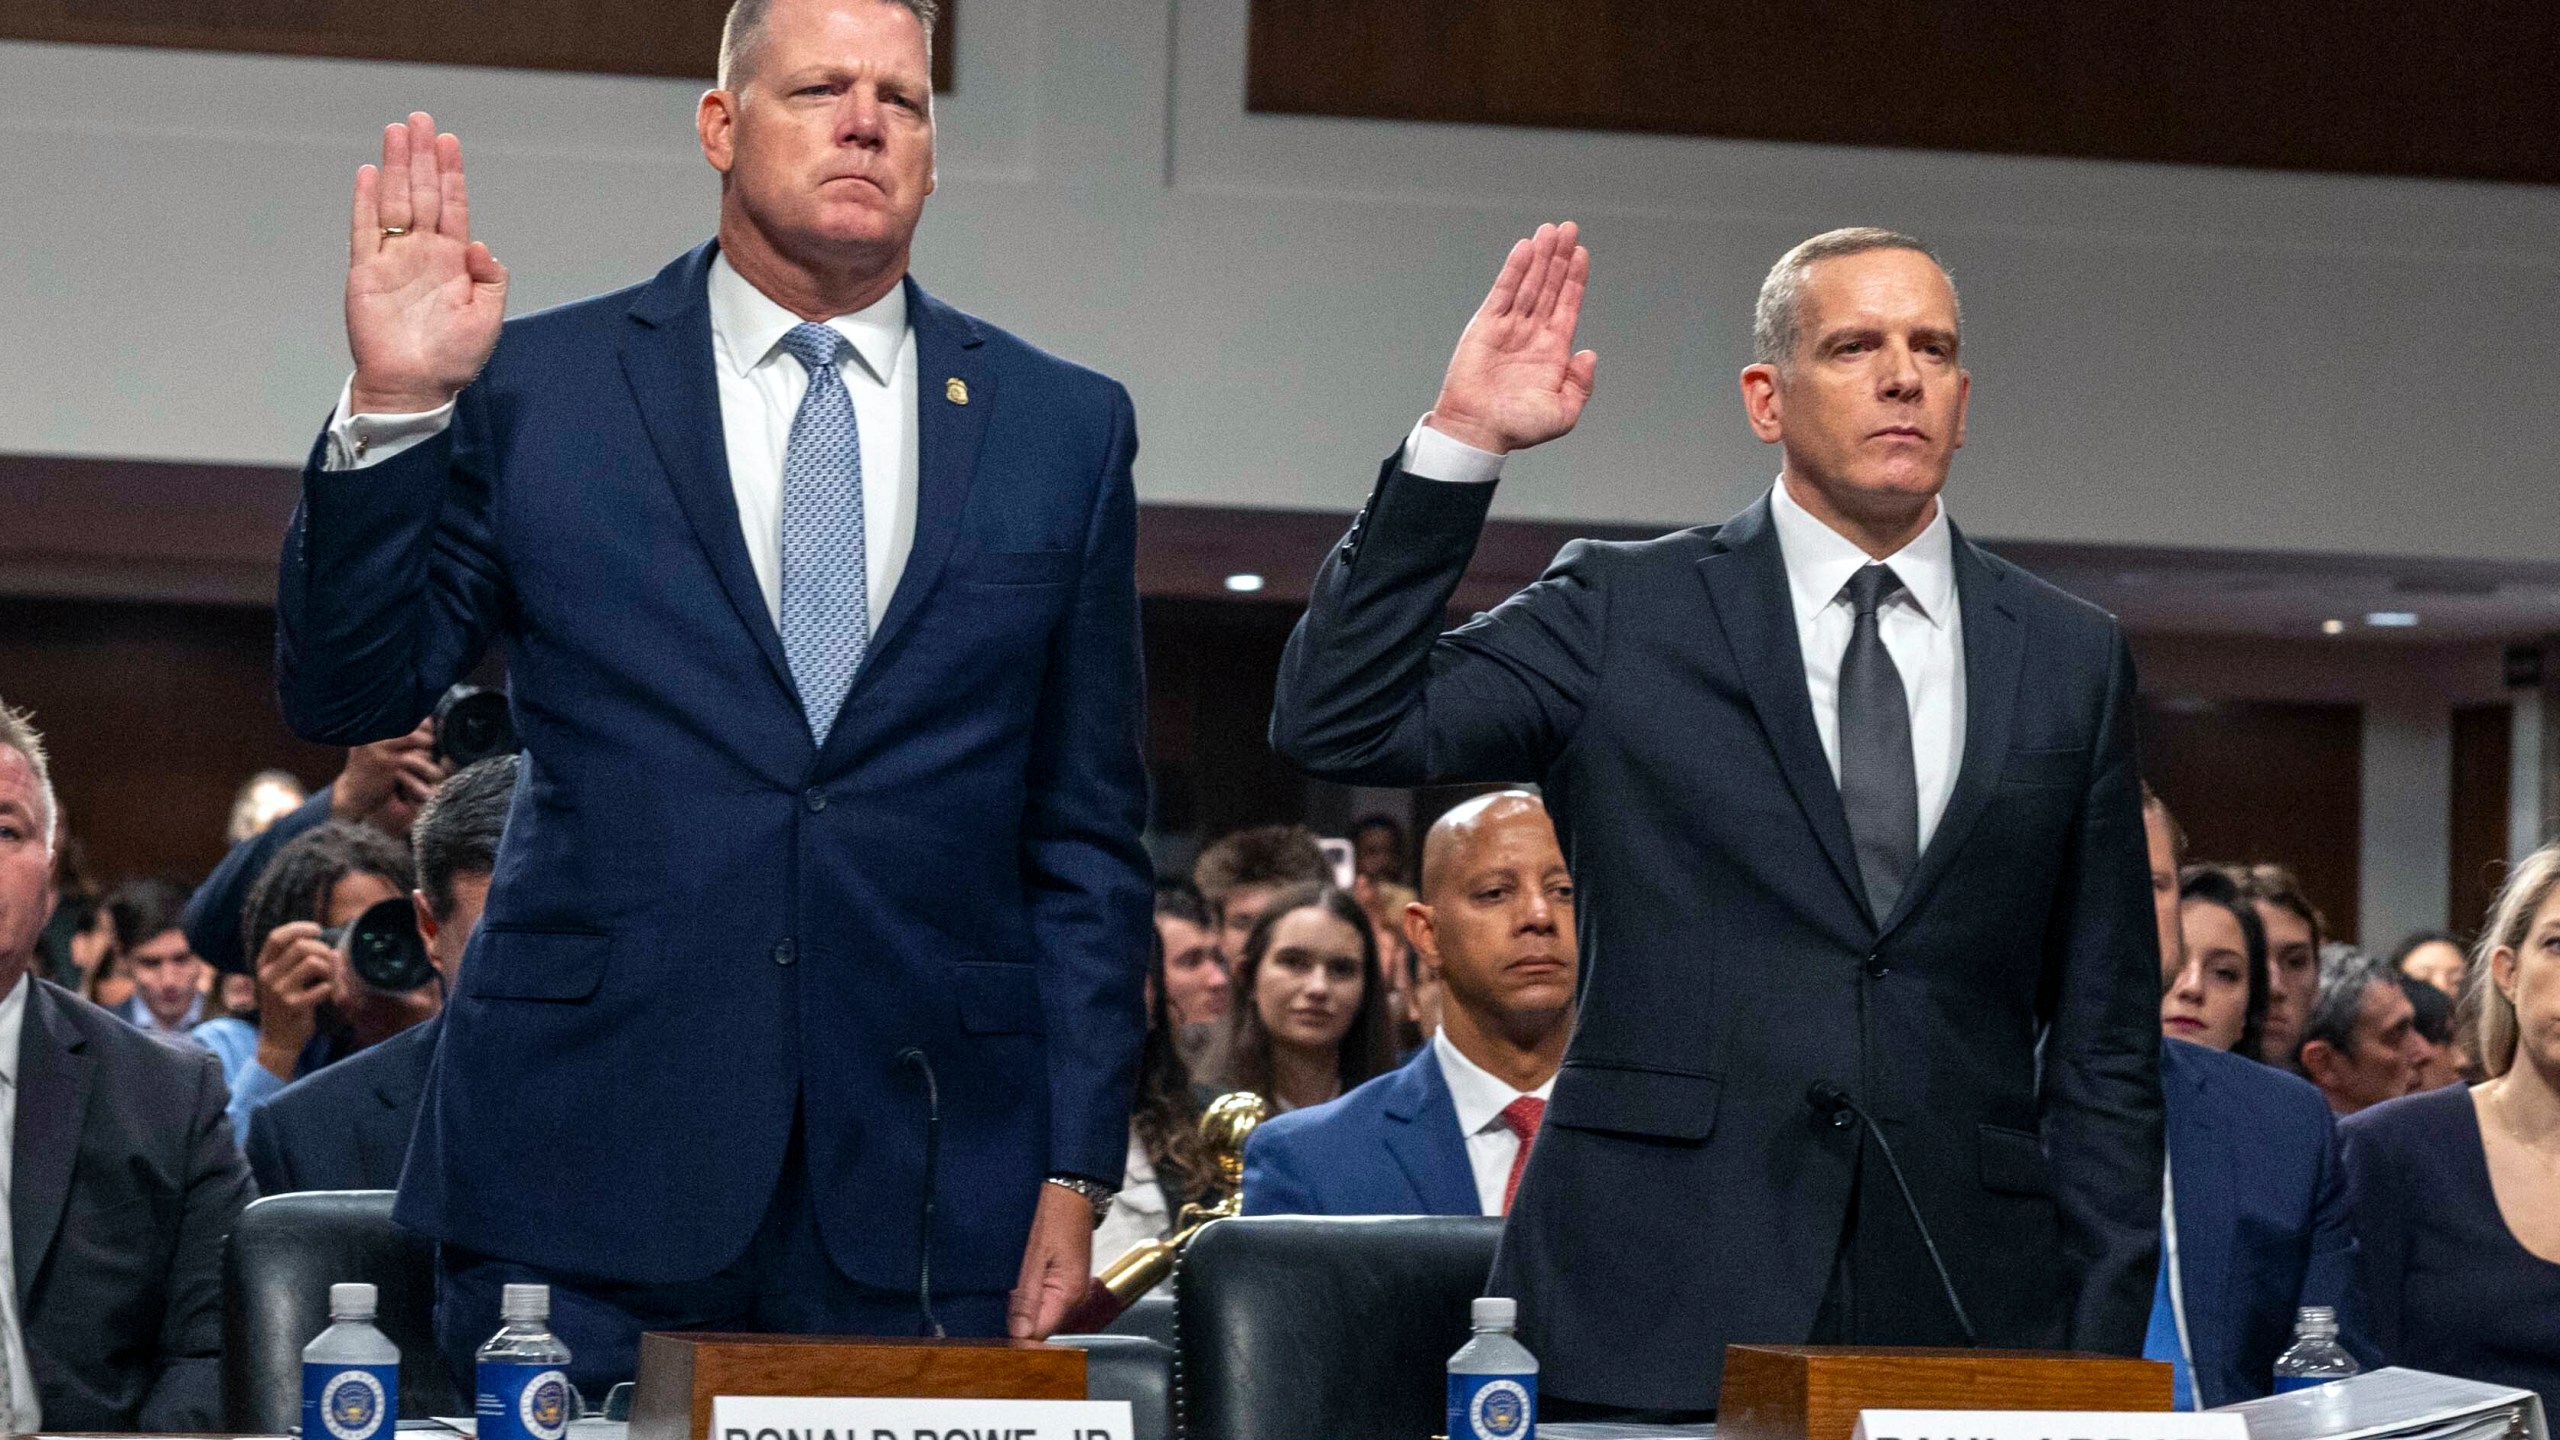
<point x="744" y="30"/>
<point x="18" y="732"/>
<point x="1777" y="321"/>
<point x="2345" y="974"/>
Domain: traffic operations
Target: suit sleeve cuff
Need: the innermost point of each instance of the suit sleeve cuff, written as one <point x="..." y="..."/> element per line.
<point x="1430" y="455"/>
<point x="358" y="441"/>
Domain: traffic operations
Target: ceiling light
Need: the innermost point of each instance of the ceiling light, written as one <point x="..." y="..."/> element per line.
<point x="1244" y="584"/>
<point x="2333" y="627"/>
<point x="2392" y="619"/>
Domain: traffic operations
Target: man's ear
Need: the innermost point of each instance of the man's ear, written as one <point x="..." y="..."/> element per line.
<point x="715" y="120"/>
<point x="427" y="926"/>
<point x="1760" y="401"/>
<point x="1420" y="933"/>
<point x="2320" y="1062"/>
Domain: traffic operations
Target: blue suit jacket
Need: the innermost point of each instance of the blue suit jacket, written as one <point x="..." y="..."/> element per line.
<point x="701" y="922"/>
<point x="1391" y="1147"/>
<point x="346" y="1127"/>
<point x="2262" y="1215"/>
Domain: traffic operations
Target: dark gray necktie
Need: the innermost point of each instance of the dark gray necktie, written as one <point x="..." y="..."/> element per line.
<point x="1878" y="784"/>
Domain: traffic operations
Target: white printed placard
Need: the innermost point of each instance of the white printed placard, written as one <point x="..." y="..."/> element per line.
<point x="780" y="1417"/>
<point x="2045" y="1425"/>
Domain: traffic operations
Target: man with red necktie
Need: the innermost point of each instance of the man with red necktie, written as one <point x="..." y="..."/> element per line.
<point x="1449" y="1133"/>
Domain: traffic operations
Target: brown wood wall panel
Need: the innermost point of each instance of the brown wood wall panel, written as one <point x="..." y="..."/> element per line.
<point x="2456" y="90"/>
<point x="2483" y="754"/>
<point x="674" y="38"/>
<point x="2251" y="781"/>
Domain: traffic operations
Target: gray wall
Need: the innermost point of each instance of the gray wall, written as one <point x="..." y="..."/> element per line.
<point x="2164" y="356"/>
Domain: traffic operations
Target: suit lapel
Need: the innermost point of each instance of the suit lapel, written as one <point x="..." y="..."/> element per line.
<point x="668" y="361"/>
<point x="955" y="395"/>
<point x="53" y="1099"/>
<point x="1747" y="579"/>
<point x="1994" y="645"/>
<point x="1422" y="1133"/>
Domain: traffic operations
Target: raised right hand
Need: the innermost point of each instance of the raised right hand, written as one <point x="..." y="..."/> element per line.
<point x="1516" y="380"/>
<point x="385" y="782"/>
<point x="423" y="307"/>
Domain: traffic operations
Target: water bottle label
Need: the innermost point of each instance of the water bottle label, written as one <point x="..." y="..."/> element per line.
<point x="349" y="1402"/>
<point x="2285" y="1383"/>
<point x="521" y="1402"/>
<point x="1493" y="1407"/>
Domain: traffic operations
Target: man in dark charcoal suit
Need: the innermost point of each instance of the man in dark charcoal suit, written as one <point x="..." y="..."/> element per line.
<point x="1852" y="809"/>
<point x="818" y="600"/>
<point x="121" y="1176"/>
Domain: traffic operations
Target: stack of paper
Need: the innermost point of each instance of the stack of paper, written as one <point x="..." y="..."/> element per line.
<point x="2397" y="1404"/>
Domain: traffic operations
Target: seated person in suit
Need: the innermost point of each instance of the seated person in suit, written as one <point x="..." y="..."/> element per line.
<point x="347" y="1127"/>
<point x="312" y="1010"/>
<point x="168" y="980"/>
<point x="2456" y="1191"/>
<point x="1310" y="1016"/>
<point x="1449" y="1133"/>
<point x="2361" y="1044"/>
<point x="120" y="1171"/>
<point x="2254" y="1212"/>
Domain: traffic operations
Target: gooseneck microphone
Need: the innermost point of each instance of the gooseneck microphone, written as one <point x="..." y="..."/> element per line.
<point x="913" y="1057"/>
<point x="1834" y="1102"/>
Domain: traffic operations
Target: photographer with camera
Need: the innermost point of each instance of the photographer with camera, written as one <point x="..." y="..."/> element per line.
<point x="319" y="906"/>
<point x="347" y="1127"/>
<point x="382" y="785"/>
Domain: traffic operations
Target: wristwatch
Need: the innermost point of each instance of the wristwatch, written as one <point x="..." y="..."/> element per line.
<point x="1095" y="1193"/>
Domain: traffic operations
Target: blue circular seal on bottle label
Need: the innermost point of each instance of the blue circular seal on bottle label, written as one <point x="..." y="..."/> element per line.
<point x="544" y="1406"/>
<point x="351" y="1405"/>
<point x="1500" y="1411"/>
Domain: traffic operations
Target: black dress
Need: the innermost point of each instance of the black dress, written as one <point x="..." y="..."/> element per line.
<point x="2449" y="1287"/>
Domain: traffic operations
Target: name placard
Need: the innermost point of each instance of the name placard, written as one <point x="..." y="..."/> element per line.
<point x="769" y="1417"/>
<point x="2043" y="1425"/>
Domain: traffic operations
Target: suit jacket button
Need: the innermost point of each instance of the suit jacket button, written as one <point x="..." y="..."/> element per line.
<point x="816" y="798"/>
<point x="1842" y="1119"/>
<point x="1876" y="968"/>
<point x="785" y="953"/>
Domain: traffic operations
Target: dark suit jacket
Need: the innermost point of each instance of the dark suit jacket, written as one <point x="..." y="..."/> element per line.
<point x="1390" y="1147"/>
<point x="2002" y="1025"/>
<point x="346" y="1127"/>
<point x="123" y="1185"/>
<point x="2262" y="1216"/>
<point x="700" y="921"/>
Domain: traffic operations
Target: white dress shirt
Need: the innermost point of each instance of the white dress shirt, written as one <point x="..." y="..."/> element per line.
<point x="760" y="390"/>
<point x="25" y="1412"/>
<point x="1922" y="627"/>
<point x="1481" y="1097"/>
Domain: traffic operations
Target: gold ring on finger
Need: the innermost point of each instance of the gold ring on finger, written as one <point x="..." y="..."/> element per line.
<point x="393" y="231"/>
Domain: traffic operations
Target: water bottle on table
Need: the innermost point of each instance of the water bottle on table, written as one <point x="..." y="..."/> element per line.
<point x="523" y="1380"/>
<point x="2316" y="1357"/>
<point x="1493" y="1379"/>
<point x="351" y="1373"/>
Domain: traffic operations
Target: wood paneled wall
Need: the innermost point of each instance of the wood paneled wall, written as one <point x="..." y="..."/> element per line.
<point x="2252" y="781"/>
<point x="2454" y="90"/>
<point x="676" y="38"/>
<point x="2483" y="754"/>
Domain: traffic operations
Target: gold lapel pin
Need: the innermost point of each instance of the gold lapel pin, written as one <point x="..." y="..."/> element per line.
<point x="956" y="390"/>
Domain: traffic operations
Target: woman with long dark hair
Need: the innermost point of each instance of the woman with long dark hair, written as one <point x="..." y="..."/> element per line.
<point x="1310" y="1015"/>
<point x="1167" y="1169"/>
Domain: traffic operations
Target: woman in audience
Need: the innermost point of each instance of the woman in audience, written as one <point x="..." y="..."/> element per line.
<point x="1310" y="1019"/>
<point x="2220" y="999"/>
<point x="2434" y="957"/>
<point x="2456" y="1192"/>
<point x="1166" y="1169"/>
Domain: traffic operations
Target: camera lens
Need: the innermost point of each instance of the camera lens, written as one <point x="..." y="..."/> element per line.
<point x="384" y="949"/>
<point x="472" y="724"/>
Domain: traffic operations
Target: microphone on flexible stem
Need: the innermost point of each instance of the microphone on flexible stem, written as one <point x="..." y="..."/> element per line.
<point x="1834" y="1103"/>
<point x="913" y="1057"/>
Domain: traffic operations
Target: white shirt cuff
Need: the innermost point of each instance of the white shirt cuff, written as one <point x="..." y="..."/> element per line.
<point x="356" y="441"/>
<point x="1430" y="455"/>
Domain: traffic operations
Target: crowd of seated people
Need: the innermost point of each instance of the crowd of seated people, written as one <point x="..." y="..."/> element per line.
<point x="2376" y="1135"/>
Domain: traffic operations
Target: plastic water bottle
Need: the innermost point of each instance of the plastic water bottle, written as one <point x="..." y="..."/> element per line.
<point x="1493" y="1379"/>
<point x="523" y="1379"/>
<point x="350" y="1373"/>
<point x="2316" y="1357"/>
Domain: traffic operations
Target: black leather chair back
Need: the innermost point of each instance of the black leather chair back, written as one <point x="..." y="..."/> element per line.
<point x="285" y="1253"/>
<point x="1302" y="1327"/>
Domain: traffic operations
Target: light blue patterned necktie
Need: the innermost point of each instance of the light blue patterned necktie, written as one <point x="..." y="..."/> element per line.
<point x="826" y="581"/>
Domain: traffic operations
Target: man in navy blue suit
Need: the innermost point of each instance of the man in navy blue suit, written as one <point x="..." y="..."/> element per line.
<point x="2254" y="1225"/>
<point x="1450" y="1131"/>
<point x="818" y="605"/>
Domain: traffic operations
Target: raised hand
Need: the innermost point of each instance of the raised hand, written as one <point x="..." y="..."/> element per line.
<point x="424" y="299"/>
<point x="1516" y="380"/>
